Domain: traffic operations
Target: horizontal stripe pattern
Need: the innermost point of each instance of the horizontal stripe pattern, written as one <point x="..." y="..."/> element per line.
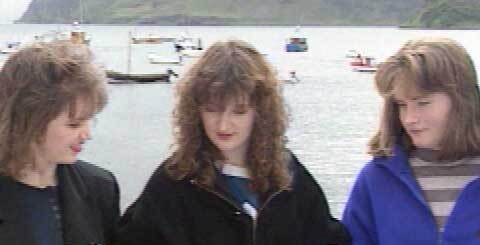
<point x="442" y="182"/>
<point x="466" y="170"/>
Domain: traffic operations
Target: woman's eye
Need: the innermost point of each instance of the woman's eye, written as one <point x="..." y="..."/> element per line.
<point x="77" y="124"/>
<point x="240" y="111"/>
<point x="423" y="103"/>
<point x="74" y="125"/>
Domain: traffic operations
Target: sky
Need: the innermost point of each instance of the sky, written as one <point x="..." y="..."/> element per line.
<point x="11" y="10"/>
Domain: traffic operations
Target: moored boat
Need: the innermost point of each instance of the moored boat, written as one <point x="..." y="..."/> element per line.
<point x="10" y="47"/>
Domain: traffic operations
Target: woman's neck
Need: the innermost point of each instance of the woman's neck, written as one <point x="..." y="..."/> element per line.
<point x="236" y="158"/>
<point x="39" y="176"/>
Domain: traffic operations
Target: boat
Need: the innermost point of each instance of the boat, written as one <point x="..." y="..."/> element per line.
<point x="291" y="78"/>
<point x="156" y="58"/>
<point x="296" y="44"/>
<point x="352" y="53"/>
<point x="76" y="36"/>
<point x="11" y="47"/>
<point x="367" y="69"/>
<point x="363" y="64"/>
<point x="158" y="52"/>
<point x="116" y="77"/>
<point x="120" y="77"/>
<point x="151" y="39"/>
<point x="189" y="47"/>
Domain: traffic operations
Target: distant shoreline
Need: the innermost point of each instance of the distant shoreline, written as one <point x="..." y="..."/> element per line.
<point x="406" y="27"/>
<point x="214" y="25"/>
<point x="439" y="28"/>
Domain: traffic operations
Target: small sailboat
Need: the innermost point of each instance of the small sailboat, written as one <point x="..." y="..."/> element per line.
<point x="117" y="77"/>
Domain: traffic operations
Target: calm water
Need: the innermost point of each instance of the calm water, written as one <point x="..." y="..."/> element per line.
<point x="333" y="110"/>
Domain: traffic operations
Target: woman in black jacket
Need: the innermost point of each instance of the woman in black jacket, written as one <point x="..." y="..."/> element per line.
<point x="230" y="179"/>
<point x="49" y="93"/>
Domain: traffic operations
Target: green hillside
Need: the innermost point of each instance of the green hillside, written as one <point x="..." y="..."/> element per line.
<point x="223" y="12"/>
<point x="448" y="14"/>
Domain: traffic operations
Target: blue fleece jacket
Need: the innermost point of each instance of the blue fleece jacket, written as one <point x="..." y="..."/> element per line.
<point x="386" y="207"/>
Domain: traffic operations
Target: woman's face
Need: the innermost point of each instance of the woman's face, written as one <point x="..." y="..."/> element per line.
<point x="63" y="138"/>
<point x="424" y="117"/>
<point x="229" y="126"/>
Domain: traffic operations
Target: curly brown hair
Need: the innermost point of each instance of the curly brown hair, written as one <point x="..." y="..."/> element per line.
<point x="231" y="69"/>
<point x="430" y="65"/>
<point x="37" y="84"/>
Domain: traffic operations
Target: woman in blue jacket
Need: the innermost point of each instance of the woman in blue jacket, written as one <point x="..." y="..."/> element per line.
<point x="422" y="186"/>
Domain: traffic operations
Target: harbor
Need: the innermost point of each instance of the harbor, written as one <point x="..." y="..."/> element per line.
<point x="333" y="110"/>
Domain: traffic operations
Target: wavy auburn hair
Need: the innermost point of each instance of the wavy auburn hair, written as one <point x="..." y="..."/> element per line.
<point x="37" y="84"/>
<point x="230" y="70"/>
<point x="425" y="66"/>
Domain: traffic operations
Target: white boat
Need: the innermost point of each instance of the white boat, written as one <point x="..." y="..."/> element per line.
<point x="188" y="46"/>
<point x="191" y="53"/>
<point x="365" y="69"/>
<point x="11" y="47"/>
<point x="352" y="53"/>
<point x="76" y="36"/>
<point x="151" y="39"/>
<point x="155" y="58"/>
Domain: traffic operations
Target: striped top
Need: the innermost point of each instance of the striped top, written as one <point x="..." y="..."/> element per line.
<point x="442" y="182"/>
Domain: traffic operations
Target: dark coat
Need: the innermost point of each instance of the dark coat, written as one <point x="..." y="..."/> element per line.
<point x="89" y="200"/>
<point x="170" y="212"/>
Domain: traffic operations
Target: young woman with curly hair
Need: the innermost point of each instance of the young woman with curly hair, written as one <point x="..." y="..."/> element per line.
<point x="230" y="179"/>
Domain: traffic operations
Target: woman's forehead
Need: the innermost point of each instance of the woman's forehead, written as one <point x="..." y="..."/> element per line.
<point x="404" y="86"/>
<point x="82" y="109"/>
<point x="229" y="99"/>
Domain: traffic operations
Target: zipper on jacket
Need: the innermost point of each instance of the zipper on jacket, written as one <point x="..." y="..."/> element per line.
<point x="254" y="220"/>
<point x="215" y="193"/>
<point x="218" y="195"/>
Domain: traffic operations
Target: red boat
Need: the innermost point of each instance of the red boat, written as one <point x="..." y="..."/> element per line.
<point x="363" y="64"/>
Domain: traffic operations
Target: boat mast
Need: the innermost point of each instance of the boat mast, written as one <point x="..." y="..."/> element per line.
<point x="129" y="52"/>
<point x="81" y="11"/>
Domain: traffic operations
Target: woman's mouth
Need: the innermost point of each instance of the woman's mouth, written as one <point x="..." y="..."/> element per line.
<point x="224" y="136"/>
<point x="76" y="148"/>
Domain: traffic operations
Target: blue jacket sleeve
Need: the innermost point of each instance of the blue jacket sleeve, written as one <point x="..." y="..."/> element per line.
<point x="358" y="215"/>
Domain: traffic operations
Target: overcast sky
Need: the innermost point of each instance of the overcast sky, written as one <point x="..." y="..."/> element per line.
<point x="11" y="10"/>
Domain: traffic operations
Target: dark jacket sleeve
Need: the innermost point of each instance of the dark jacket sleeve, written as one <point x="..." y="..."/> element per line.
<point x="321" y="227"/>
<point x="156" y="216"/>
<point x="103" y="186"/>
<point x="111" y="211"/>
